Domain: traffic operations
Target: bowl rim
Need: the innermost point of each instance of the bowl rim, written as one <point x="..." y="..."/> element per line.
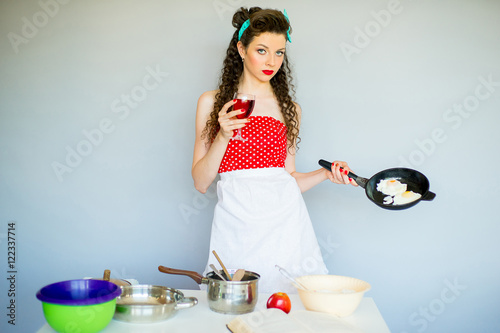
<point x="309" y="291"/>
<point x="147" y="287"/>
<point x="150" y="286"/>
<point x="111" y="291"/>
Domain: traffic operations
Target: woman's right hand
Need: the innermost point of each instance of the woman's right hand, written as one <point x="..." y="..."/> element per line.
<point x="228" y="121"/>
<point x="338" y="173"/>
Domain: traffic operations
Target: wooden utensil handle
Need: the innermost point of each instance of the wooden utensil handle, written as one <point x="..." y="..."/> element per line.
<point x="223" y="267"/>
<point x="193" y="275"/>
<point x="107" y="275"/>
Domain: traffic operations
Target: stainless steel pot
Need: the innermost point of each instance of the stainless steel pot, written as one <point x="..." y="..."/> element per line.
<point x="149" y="304"/>
<point x="229" y="297"/>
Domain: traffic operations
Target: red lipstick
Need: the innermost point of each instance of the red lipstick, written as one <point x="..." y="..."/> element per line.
<point x="267" y="72"/>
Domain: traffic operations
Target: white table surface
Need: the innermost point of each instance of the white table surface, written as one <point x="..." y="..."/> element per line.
<point x="200" y="318"/>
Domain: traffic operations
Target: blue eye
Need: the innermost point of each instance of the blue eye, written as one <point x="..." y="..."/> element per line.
<point x="280" y="53"/>
<point x="261" y="51"/>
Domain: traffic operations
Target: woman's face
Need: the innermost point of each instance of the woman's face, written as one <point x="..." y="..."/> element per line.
<point x="264" y="55"/>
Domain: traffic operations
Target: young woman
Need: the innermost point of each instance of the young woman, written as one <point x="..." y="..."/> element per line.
<point x="260" y="219"/>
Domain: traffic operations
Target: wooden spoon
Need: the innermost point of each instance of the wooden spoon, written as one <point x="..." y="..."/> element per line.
<point x="240" y="273"/>
<point x="223" y="267"/>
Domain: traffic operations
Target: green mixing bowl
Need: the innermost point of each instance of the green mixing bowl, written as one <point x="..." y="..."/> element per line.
<point x="84" y="306"/>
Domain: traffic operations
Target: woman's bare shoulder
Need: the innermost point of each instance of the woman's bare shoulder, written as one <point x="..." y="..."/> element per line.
<point x="205" y="105"/>
<point x="297" y="105"/>
<point x="207" y="98"/>
<point x="298" y="109"/>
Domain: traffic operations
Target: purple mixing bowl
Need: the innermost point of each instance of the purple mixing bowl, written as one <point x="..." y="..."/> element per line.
<point x="79" y="292"/>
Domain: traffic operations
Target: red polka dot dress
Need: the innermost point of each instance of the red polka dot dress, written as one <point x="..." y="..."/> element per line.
<point x="260" y="219"/>
<point x="265" y="146"/>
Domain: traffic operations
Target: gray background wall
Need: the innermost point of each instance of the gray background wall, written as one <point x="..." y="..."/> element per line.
<point x="97" y="108"/>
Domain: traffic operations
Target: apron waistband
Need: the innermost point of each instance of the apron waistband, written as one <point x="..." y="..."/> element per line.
<point x="252" y="172"/>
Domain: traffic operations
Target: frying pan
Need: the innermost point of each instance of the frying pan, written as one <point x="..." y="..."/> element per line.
<point x="415" y="181"/>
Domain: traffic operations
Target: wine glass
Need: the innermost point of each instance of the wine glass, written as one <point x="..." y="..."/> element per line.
<point x="243" y="102"/>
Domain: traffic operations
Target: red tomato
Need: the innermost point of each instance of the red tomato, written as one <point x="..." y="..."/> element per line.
<point x="280" y="301"/>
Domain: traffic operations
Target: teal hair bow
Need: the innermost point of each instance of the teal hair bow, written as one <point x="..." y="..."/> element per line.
<point x="288" y="31"/>
<point x="245" y="25"/>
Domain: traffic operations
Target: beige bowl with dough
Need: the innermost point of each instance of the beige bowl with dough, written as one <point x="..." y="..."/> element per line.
<point x="334" y="294"/>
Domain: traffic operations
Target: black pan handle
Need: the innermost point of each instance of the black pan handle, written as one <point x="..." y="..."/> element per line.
<point x="428" y="196"/>
<point x="359" y="180"/>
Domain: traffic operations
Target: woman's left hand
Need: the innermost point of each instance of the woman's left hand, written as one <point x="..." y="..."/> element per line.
<point x="339" y="173"/>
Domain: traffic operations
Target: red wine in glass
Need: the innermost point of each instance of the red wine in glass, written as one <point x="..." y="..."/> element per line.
<point x="246" y="105"/>
<point x="244" y="102"/>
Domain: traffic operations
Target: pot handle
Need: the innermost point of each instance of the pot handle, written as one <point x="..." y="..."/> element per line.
<point x="186" y="302"/>
<point x="193" y="275"/>
<point x="359" y="180"/>
<point x="428" y="196"/>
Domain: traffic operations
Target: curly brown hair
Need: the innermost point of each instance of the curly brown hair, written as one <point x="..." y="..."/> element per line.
<point x="261" y="21"/>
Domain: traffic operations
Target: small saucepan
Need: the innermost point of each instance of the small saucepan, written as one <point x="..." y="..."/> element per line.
<point x="229" y="297"/>
<point x="414" y="180"/>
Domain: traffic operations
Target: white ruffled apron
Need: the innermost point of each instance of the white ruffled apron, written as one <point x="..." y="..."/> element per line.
<point x="260" y="221"/>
